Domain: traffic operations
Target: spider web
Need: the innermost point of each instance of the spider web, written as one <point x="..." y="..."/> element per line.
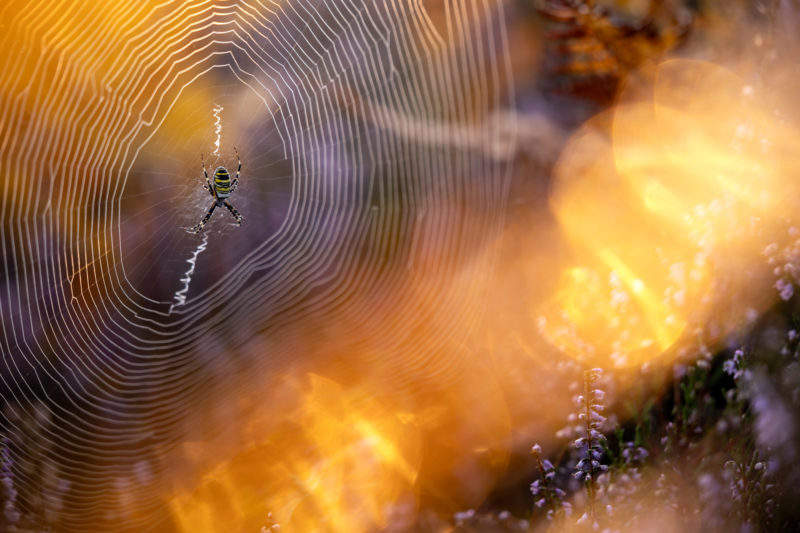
<point x="366" y="189"/>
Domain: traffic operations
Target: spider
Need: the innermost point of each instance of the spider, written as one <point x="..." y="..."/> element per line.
<point x="220" y="191"/>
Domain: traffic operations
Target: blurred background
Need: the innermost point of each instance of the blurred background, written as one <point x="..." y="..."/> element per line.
<point x="521" y="265"/>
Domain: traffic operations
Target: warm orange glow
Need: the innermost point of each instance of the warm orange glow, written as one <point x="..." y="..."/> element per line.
<point x="338" y="462"/>
<point x="668" y="204"/>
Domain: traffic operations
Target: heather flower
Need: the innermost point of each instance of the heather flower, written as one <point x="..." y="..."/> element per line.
<point x="545" y="495"/>
<point x="590" y="443"/>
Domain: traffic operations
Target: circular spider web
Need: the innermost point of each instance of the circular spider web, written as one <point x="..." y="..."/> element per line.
<point x="368" y="187"/>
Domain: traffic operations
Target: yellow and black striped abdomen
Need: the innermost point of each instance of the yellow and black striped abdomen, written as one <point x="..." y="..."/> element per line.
<point x="222" y="183"/>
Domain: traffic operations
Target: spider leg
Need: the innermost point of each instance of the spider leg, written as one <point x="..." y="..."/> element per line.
<point x="203" y="162"/>
<point x="234" y="212"/>
<point x="199" y="227"/>
<point x="236" y="178"/>
<point x="207" y="186"/>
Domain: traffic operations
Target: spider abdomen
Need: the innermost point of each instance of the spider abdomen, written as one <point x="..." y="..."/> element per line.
<point x="222" y="183"/>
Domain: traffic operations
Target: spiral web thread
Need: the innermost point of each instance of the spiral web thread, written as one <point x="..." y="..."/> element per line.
<point x="361" y="129"/>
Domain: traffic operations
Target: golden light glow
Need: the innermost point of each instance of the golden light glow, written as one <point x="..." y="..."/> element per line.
<point x="337" y="462"/>
<point x="667" y="204"/>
